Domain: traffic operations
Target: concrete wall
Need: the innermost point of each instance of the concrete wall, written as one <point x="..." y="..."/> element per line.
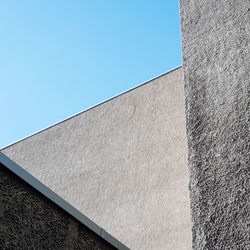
<point x="216" y="63"/>
<point x="122" y="163"/>
<point x="31" y="221"/>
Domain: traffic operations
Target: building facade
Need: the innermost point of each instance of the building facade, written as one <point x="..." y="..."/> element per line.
<point x="166" y="164"/>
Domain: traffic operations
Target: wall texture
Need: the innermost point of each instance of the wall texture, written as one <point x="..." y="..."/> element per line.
<point x="31" y="221"/>
<point x="216" y="63"/>
<point x="122" y="163"/>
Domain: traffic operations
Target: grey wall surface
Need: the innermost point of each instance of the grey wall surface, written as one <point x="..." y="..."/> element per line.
<point x="31" y="221"/>
<point x="122" y="163"/>
<point x="215" y="49"/>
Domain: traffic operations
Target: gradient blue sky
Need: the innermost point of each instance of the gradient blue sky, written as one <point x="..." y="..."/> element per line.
<point x="59" y="57"/>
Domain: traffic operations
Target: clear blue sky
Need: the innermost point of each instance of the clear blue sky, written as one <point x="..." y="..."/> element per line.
<point x="60" y="57"/>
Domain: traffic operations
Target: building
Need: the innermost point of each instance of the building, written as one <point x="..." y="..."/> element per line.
<point x="32" y="216"/>
<point x="125" y="164"/>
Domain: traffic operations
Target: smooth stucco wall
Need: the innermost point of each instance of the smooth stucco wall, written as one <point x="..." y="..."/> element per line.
<point x="122" y="163"/>
<point x="216" y="63"/>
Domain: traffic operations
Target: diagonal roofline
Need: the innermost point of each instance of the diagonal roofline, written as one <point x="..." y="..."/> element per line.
<point x="85" y="110"/>
<point x="28" y="178"/>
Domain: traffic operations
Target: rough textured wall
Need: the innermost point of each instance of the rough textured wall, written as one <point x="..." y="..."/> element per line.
<point x="122" y="163"/>
<point x="31" y="221"/>
<point x="216" y="63"/>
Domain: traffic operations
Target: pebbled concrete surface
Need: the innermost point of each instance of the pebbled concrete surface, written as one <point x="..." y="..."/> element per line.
<point x="216" y="63"/>
<point x="122" y="163"/>
<point x="31" y="221"/>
